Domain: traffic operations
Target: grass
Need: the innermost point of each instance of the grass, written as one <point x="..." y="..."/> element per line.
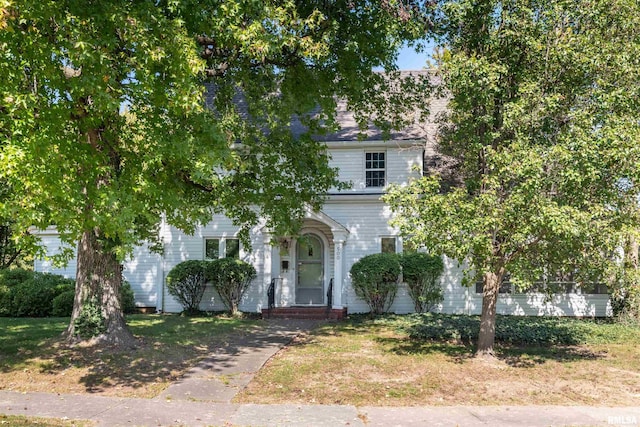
<point x="21" y="421"/>
<point x="32" y="358"/>
<point x="389" y="360"/>
<point x="384" y="361"/>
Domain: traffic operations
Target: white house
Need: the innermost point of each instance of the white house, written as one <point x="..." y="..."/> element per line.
<point x="314" y="271"/>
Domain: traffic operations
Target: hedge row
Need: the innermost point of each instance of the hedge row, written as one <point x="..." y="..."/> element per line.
<point x="25" y="293"/>
<point x="230" y="278"/>
<point x="375" y="279"/>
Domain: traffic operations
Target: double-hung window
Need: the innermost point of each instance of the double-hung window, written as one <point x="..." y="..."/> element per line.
<point x="375" y="167"/>
<point x="215" y="248"/>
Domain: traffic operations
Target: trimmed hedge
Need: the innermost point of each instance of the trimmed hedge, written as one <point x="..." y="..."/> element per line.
<point x="186" y="282"/>
<point x="375" y="280"/>
<point x="25" y="293"/>
<point x="230" y="278"/>
<point x="63" y="304"/>
<point x="127" y="298"/>
<point x="421" y="272"/>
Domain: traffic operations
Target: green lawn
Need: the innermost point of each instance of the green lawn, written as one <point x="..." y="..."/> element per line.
<point x="32" y="357"/>
<point x="428" y="360"/>
<point x="389" y="360"/>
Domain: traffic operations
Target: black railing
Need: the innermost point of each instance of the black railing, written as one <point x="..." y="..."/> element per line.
<point x="271" y="294"/>
<point x="330" y="295"/>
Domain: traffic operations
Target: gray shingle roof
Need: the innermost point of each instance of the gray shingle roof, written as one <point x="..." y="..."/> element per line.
<point x="349" y="129"/>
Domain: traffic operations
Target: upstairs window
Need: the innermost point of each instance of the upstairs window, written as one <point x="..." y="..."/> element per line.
<point x="375" y="169"/>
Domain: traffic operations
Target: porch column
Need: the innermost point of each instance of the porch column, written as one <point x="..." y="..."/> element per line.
<point x="267" y="263"/>
<point x="339" y="237"/>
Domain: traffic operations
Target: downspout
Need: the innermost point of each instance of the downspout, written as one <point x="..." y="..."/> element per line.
<point x="160" y="297"/>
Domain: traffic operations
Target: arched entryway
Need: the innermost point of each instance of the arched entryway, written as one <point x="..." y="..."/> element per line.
<point x="306" y="272"/>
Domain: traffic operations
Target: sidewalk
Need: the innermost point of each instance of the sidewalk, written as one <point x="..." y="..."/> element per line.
<point x="157" y="412"/>
<point x="202" y="398"/>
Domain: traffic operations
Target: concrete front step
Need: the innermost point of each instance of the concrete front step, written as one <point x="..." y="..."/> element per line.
<point x="304" y="313"/>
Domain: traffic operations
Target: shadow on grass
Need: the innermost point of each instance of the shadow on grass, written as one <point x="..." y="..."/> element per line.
<point x="514" y="356"/>
<point x="528" y="357"/>
<point x="169" y="346"/>
<point x="407" y="347"/>
<point x="520" y="341"/>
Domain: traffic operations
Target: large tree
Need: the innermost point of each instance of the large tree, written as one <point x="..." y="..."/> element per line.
<point x="542" y="132"/>
<point x="104" y="129"/>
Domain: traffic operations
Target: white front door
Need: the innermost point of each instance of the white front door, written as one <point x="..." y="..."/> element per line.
<point x="310" y="270"/>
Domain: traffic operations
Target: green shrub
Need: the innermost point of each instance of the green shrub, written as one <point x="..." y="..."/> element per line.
<point x="5" y="300"/>
<point x="127" y="298"/>
<point x="63" y="304"/>
<point x="15" y="276"/>
<point x="231" y="278"/>
<point x="624" y="294"/>
<point x="9" y="278"/>
<point x="90" y="322"/>
<point x="375" y="280"/>
<point x="517" y="330"/>
<point x="186" y="282"/>
<point x="34" y="297"/>
<point x="421" y="272"/>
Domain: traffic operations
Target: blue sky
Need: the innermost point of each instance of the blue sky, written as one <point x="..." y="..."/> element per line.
<point x="409" y="59"/>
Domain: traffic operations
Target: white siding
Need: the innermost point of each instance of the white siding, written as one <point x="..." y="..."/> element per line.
<point x="367" y="220"/>
<point x="536" y="304"/>
<point x="401" y="163"/>
<point x="142" y="271"/>
<point x="366" y="223"/>
<point x="179" y="247"/>
<point x="350" y="163"/>
<point x="54" y="246"/>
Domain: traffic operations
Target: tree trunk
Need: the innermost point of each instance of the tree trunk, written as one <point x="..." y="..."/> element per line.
<point x="99" y="277"/>
<point x="487" y="335"/>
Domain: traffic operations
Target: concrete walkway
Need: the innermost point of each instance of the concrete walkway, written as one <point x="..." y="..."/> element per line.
<point x="224" y="373"/>
<point x="202" y="398"/>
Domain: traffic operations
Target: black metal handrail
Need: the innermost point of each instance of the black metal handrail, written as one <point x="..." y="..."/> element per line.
<point x="330" y="295"/>
<point x="271" y="294"/>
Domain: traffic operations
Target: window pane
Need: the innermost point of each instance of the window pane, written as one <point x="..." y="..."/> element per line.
<point x="505" y="286"/>
<point x="232" y="248"/>
<point x="310" y="249"/>
<point x="212" y="248"/>
<point x="375" y="178"/>
<point x="388" y="245"/>
<point x="374" y="169"/>
<point x="594" y="288"/>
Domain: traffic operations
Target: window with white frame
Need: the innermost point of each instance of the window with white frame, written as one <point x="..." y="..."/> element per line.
<point x="388" y="245"/>
<point x="375" y="168"/>
<point x="215" y="247"/>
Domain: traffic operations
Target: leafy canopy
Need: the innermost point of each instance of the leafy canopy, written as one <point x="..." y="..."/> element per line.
<point x="543" y="131"/>
<point x="115" y="113"/>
